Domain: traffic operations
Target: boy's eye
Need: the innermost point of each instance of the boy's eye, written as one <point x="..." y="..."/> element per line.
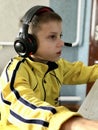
<point x="53" y="37"/>
<point x="61" y="35"/>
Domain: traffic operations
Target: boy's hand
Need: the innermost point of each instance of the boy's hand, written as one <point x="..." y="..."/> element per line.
<point x="79" y="123"/>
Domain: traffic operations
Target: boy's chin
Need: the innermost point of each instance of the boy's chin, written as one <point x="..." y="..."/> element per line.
<point x="55" y="60"/>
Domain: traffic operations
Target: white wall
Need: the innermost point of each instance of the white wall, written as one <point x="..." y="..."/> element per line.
<point x="79" y="53"/>
<point x="10" y="13"/>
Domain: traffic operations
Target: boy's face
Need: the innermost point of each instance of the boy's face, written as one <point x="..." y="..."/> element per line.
<point x="49" y="41"/>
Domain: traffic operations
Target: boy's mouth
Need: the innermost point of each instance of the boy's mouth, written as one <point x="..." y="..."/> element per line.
<point x="59" y="53"/>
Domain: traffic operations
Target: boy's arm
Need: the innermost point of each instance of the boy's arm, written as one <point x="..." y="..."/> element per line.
<point x="79" y="123"/>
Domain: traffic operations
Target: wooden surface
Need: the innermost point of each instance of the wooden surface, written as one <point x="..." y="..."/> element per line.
<point x="71" y="102"/>
<point x="89" y="108"/>
<point x="72" y="107"/>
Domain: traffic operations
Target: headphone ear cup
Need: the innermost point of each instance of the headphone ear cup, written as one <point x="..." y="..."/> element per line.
<point x="26" y="47"/>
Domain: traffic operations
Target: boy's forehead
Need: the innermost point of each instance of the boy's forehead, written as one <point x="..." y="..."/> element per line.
<point x="51" y="27"/>
<point x="51" y="23"/>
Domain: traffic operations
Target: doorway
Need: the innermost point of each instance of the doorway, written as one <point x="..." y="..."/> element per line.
<point x="93" y="47"/>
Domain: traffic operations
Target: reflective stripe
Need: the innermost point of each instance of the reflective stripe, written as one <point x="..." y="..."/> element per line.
<point x="5" y="101"/>
<point x="30" y="121"/>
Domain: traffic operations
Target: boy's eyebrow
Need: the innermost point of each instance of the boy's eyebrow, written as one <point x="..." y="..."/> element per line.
<point x="55" y="32"/>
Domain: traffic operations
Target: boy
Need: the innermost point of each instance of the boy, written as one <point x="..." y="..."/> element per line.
<point x="31" y="81"/>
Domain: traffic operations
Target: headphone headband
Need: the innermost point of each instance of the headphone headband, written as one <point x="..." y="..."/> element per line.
<point x="36" y="10"/>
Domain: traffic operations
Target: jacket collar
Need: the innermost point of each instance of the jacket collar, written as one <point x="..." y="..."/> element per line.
<point x="51" y="65"/>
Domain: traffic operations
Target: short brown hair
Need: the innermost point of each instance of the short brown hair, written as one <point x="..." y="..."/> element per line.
<point x="37" y="20"/>
<point x="43" y="18"/>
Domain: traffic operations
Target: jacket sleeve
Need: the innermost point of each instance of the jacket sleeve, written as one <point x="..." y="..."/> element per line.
<point x="23" y="109"/>
<point x="78" y="73"/>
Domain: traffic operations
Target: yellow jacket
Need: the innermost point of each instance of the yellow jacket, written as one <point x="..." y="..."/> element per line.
<point x="30" y="91"/>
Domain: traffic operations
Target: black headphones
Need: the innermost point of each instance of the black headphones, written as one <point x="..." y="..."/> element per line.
<point x="26" y="44"/>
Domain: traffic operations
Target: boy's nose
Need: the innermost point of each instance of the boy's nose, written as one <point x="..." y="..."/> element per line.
<point x="61" y="43"/>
